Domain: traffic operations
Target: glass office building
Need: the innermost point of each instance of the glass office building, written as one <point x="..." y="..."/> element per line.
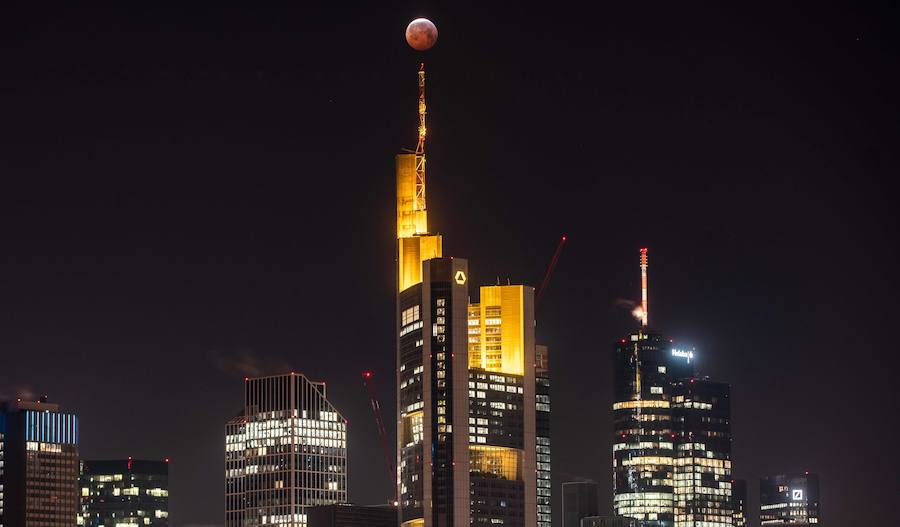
<point x="789" y="499"/>
<point x="285" y="452"/>
<point x="125" y="493"/>
<point x="38" y="465"/>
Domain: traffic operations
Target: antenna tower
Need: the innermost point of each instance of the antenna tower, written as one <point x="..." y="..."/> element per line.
<point x="644" y="312"/>
<point x="420" y="145"/>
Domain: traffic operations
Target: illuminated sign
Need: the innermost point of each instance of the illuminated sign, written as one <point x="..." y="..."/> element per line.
<point x="797" y="494"/>
<point x="460" y="277"/>
<point x="684" y="354"/>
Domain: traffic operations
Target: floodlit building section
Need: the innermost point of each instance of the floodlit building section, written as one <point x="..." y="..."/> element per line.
<point x="701" y="412"/>
<point x="503" y="409"/>
<point x="789" y="499"/>
<point x="38" y="465"/>
<point x="497" y="329"/>
<point x="124" y="493"/>
<point x="414" y="242"/>
<point x="285" y="452"/>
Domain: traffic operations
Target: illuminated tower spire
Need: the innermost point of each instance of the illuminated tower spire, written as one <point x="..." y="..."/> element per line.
<point x="644" y="307"/>
<point x="420" y="145"/>
<point x="415" y="243"/>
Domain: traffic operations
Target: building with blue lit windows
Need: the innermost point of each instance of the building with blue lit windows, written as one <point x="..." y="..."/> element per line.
<point x="38" y="465"/>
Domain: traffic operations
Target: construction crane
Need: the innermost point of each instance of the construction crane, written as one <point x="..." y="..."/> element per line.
<point x="379" y="422"/>
<point x="543" y="288"/>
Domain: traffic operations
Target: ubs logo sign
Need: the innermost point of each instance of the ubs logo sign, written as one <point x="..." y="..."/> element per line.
<point x="460" y="277"/>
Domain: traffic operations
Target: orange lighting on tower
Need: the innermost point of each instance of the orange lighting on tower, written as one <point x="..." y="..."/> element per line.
<point x="644" y="307"/>
<point x="415" y="243"/>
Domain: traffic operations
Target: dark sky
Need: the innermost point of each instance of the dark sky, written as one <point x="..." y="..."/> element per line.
<point x="191" y="194"/>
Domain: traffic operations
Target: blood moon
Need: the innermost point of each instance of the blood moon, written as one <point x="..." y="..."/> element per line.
<point x="421" y="34"/>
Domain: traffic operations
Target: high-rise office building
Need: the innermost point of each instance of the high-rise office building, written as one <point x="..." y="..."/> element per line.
<point x="739" y="503"/>
<point x="701" y="414"/>
<point x="579" y="501"/>
<point x="542" y="435"/>
<point x="467" y="427"/>
<point x="672" y="443"/>
<point x="124" y="493"/>
<point x="432" y="361"/>
<point x="38" y="465"/>
<point x="789" y="499"/>
<point x="433" y="397"/>
<point x="285" y="452"/>
<point x="347" y="515"/>
<point x="502" y="406"/>
<point x="644" y="442"/>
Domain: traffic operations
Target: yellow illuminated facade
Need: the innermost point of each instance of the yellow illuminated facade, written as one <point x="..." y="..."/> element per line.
<point x="497" y="330"/>
<point x="414" y="244"/>
<point x="501" y="462"/>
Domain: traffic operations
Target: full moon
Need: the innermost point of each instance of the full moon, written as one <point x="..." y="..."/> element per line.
<point x="421" y="34"/>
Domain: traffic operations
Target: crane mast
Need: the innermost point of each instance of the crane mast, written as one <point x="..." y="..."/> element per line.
<point x="420" y="145"/>
<point x="379" y="423"/>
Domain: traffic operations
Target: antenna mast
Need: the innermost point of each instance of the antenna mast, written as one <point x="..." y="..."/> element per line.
<point x="420" y="145"/>
<point x="644" y="312"/>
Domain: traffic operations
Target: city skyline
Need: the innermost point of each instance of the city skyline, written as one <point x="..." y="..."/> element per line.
<point x="192" y="208"/>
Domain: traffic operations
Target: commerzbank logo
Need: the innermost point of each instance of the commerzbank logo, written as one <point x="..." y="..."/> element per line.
<point x="460" y="277"/>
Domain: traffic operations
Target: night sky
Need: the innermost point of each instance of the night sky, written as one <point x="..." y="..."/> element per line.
<point x="192" y="195"/>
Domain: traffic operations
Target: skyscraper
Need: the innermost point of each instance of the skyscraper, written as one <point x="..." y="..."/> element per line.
<point x="701" y="414"/>
<point x="644" y="442"/>
<point x="672" y="444"/>
<point x="789" y="499"/>
<point x="38" y="465"/>
<point x="433" y="407"/>
<point x="125" y="492"/>
<point x="502" y="408"/>
<point x="579" y="501"/>
<point x="542" y="435"/>
<point x="285" y="452"/>
<point x="739" y="503"/>
<point x="467" y="428"/>
<point x="432" y="361"/>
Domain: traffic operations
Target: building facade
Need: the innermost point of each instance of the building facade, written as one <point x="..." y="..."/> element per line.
<point x="124" y="493"/>
<point x="542" y="435"/>
<point x="38" y="465"/>
<point x="502" y="406"/>
<point x="285" y="452"/>
<point x="579" y="501"/>
<point x="347" y="515"/>
<point x="644" y="441"/>
<point x="608" y="521"/>
<point x="789" y="499"/>
<point x="701" y="414"/>
<point x="432" y="381"/>
<point x="739" y="508"/>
